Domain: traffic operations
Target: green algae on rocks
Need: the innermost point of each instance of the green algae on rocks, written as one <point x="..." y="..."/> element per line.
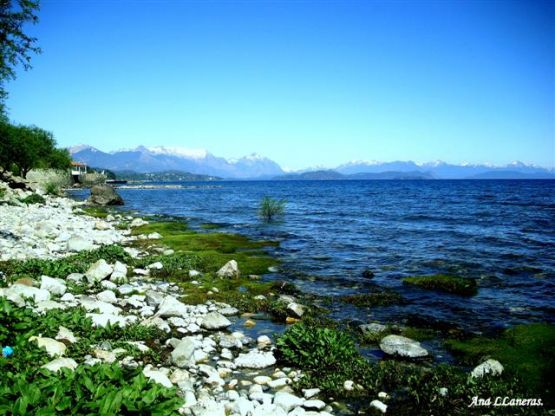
<point x="444" y="283"/>
<point x="214" y="249"/>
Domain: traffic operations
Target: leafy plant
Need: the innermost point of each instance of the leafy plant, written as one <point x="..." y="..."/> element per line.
<point x="33" y="199"/>
<point x="271" y="208"/>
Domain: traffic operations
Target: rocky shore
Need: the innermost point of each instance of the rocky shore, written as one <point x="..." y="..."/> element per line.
<point x="216" y="371"/>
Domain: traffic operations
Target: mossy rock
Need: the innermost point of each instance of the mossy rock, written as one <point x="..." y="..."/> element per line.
<point x="444" y="283"/>
<point x="376" y="297"/>
<point x="525" y="350"/>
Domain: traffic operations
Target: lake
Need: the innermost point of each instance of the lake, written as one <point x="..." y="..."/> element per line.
<point x="499" y="232"/>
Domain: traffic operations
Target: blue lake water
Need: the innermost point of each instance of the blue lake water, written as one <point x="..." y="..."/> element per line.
<point x="500" y="232"/>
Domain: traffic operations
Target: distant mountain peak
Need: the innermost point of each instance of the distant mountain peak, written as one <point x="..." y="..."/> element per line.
<point x="81" y="148"/>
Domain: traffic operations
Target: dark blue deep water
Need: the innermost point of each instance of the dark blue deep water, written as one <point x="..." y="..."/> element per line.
<point x="500" y="232"/>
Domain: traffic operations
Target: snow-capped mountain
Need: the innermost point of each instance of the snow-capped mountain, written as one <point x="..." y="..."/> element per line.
<point x="199" y="161"/>
<point x="162" y="158"/>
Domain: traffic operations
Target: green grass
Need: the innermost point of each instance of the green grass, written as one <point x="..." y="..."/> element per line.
<point x="33" y="199"/>
<point x="95" y="212"/>
<point x="213" y="249"/>
<point x="52" y="188"/>
<point x="444" y="283"/>
<point x="527" y="351"/>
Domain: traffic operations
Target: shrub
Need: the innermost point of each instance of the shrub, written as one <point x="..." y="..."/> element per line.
<point x="444" y="283"/>
<point x="33" y="199"/>
<point x="52" y="189"/>
<point x="271" y="208"/>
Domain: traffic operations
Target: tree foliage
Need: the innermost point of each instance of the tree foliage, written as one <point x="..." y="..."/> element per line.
<point x="16" y="47"/>
<point x="23" y="148"/>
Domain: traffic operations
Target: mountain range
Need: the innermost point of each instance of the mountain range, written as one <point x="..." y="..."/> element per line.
<point x="160" y="158"/>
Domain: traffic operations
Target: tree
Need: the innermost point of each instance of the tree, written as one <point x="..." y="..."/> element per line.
<point x="16" y="47"/>
<point x="23" y="148"/>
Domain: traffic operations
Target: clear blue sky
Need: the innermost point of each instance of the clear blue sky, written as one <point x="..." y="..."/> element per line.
<point x="302" y="82"/>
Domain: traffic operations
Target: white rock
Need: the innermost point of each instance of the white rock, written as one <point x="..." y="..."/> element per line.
<point x="103" y="320"/>
<point x="53" y="348"/>
<point x="76" y="277"/>
<point x="349" y="385"/>
<point x="229" y="270"/>
<point x="309" y="393"/>
<point x="287" y="401"/>
<point x="66" y="334"/>
<point x="77" y="243"/>
<point x="54" y="286"/>
<point x="154" y="298"/>
<point x="295" y="309"/>
<point x="170" y="306"/>
<point x="402" y="346"/>
<point x="68" y="297"/>
<point x="215" y="320"/>
<point x="382" y="407"/>
<point x="157" y="376"/>
<point x="183" y="354"/>
<point x="59" y="363"/>
<point x="155" y="266"/>
<point x="119" y="273"/>
<point x="314" y="404"/>
<point x="24" y="291"/>
<point x="492" y="367"/>
<point x="255" y="359"/>
<point x="107" y="296"/>
<point x="98" y="271"/>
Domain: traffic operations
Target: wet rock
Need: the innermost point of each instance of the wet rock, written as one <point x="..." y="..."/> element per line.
<point x="488" y="367"/>
<point x="372" y="329"/>
<point x="402" y="346"/>
<point x="368" y="274"/>
<point x="104" y="195"/>
<point x="229" y="270"/>
<point x="380" y="406"/>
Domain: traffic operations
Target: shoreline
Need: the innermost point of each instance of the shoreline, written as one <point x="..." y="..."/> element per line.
<point x="138" y="237"/>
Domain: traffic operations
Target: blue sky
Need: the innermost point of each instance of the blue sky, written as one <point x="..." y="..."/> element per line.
<point x="303" y="82"/>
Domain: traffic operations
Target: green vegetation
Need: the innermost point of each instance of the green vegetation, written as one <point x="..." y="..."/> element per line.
<point x="23" y="148"/>
<point x="100" y="389"/>
<point x="525" y="350"/>
<point x="329" y="358"/>
<point x="52" y="188"/>
<point x="419" y="334"/>
<point x="33" y="199"/>
<point x="96" y="212"/>
<point x="77" y="263"/>
<point x="210" y="226"/>
<point x="17" y="46"/>
<point x="444" y="283"/>
<point x="271" y="208"/>
<point x="2" y="193"/>
<point x="376" y="297"/>
<point x="214" y="249"/>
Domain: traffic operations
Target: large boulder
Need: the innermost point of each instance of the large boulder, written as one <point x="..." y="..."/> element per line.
<point x="492" y="367"/>
<point x="402" y="347"/>
<point x="104" y="195"/>
<point x="98" y="271"/>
